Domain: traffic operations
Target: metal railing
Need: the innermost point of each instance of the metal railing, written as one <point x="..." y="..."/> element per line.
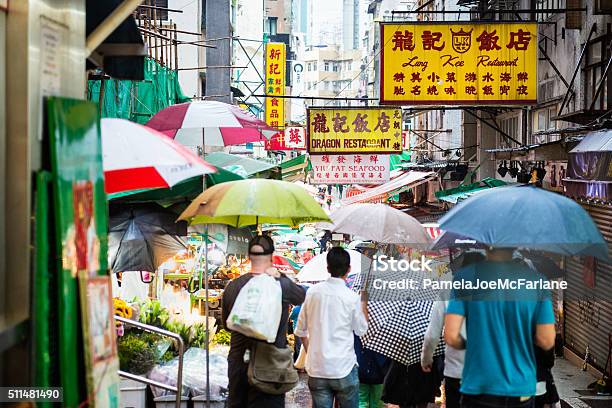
<point x="181" y="350"/>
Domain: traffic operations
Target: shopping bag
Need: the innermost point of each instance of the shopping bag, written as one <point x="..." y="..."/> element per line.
<point x="257" y="310"/>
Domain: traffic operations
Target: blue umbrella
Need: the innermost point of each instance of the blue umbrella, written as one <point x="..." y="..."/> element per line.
<point x="527" y="217"/>
<point x="451" y="240"/>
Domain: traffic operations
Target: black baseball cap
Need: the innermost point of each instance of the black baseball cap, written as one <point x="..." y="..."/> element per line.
<point x="261" y="245"/>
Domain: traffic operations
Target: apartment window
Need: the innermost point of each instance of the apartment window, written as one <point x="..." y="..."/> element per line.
<point x="326" y="67"/>
<point x="160" y="14"/>
<point x="309" y="67"/>
<point x="314" y="66"/>
<point x="511" y="127"/>
<point x="597" y="56"/>
<point x="309" y="86"/>
<point x="271" y="25"/>
<point x="335" y="67"/>
<point x="326" y="85"/>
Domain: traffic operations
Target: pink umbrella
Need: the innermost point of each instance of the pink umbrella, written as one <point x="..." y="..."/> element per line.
<point x="210" y="123"/>
<point x="136" y="157"/>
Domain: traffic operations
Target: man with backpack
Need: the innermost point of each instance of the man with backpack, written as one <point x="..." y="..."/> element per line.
<point x="242" y="348"/>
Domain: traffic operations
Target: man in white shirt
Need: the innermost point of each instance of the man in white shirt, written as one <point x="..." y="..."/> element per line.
<point x="330" y="315"/>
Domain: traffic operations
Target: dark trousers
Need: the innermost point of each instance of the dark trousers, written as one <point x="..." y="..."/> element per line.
<point x="451" y="389"/>
<point x="243" y="395"/>
<point x="494" y="401"/>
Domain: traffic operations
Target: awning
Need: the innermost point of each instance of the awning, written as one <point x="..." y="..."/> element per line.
<point x="295" y="168"/>
<point x="243" y="166"/>
<point x="454" y="195"/>
<point x="121" y="55"/>
<point x="589" y="167"/>
<point x="600" y="141"/>
<point x="556" y="150"/>
<point x="397" y="185"/>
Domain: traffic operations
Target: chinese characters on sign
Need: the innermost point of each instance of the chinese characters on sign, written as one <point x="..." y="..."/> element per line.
<point x="293" y="138"/>
<point x="275" y="84"/>
<point x="354" y="130"/>
<point x="459" y="63"/>
<point x="350" y="169"/>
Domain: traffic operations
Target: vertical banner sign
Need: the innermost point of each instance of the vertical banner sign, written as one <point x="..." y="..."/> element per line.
<point x="275" y="84"/>
<point x="82" y="250"/>
<point x="350" y="168"/>
<point x="354" y="130"/>
<point x="459" y="63"/>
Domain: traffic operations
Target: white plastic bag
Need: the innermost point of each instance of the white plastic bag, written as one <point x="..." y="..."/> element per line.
<point x="257" y="310"/>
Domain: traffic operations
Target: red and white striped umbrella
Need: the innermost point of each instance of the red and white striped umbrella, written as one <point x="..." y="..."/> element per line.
<point x="210" y="123"/>
<point x="136" y="157"/>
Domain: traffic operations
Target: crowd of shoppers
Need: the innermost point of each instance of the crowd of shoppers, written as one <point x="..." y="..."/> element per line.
<point x="498" y="343"/>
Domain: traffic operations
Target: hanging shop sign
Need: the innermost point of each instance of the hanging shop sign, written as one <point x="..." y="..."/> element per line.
<point x="81" y="237"/>
<point x="459" y="63"/>
<point x="275" y="84"/>
<point x="238" y="240"/>
<point x="350" y="169"/>
<point x="354" y="130"/>
<point x="292" y="138"/>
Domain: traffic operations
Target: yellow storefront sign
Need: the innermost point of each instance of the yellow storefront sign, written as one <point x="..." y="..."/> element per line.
<point x="354" y="130"/>
<point x="275" y="84"/>
<point x="458" y="63"/>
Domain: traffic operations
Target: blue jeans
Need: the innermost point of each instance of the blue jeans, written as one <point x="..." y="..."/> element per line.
<point x="344" y="390"/>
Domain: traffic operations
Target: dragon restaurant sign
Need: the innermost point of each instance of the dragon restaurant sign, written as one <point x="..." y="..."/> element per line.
<point x="458" y="63"/>
<point x="362" y="130"/>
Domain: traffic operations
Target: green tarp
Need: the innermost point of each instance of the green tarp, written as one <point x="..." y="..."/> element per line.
<point x="293" y="162"/>
<point x="397" y="160"/>
<point x="138" y="100"/>
<point x="454" y="195"/>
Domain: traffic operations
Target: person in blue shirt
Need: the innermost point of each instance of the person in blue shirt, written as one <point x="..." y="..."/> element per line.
<point x="503" y="326"/>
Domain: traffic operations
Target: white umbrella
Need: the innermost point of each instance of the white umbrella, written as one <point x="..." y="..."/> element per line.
<point x="315" y="270"/>
<point x="379" y="223"/>
<point x="306" y="245"/>
<point x="136" y="157"/>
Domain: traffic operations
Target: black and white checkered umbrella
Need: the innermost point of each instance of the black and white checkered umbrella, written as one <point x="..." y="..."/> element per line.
<point x="397" y="329"/>
<point x="398" y="319"/>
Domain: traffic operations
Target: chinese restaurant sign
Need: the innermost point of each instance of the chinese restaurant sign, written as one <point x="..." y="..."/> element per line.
<point x="293" y="138"/>
<point x="459" y="63"/>
<point x="354" y="130"/>
<point x="275" y="84"/>
<point x="350" y="169"/>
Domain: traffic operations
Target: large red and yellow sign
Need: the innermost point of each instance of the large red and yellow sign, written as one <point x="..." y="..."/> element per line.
<point x="275" y="84"/>
<point x="354" y="130"/>
<point x="458" y="63"/>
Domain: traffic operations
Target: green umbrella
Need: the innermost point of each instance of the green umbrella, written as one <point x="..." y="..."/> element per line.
<point x="252" y="202"/>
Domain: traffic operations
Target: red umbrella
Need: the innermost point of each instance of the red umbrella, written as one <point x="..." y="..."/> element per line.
<point x="282" y="262"/>
<point x="211" y="123"/>
<point x="136" y="157"/>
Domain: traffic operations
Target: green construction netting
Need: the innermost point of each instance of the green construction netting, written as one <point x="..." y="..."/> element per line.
<point x="138" y="100"/>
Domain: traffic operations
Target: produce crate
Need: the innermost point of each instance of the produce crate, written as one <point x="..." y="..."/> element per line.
<point x="200" y="402"/>
<point x="133" y="394"/>
<point x="169" y="401"/>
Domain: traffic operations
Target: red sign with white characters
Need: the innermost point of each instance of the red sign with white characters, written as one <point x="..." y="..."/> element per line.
<point x="293" y="138"/>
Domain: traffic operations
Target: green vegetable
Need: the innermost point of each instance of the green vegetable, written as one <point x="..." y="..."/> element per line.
<point x="222" y="337"/>
<point x="136" y="355"/>
<point x="154" y="314"/>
